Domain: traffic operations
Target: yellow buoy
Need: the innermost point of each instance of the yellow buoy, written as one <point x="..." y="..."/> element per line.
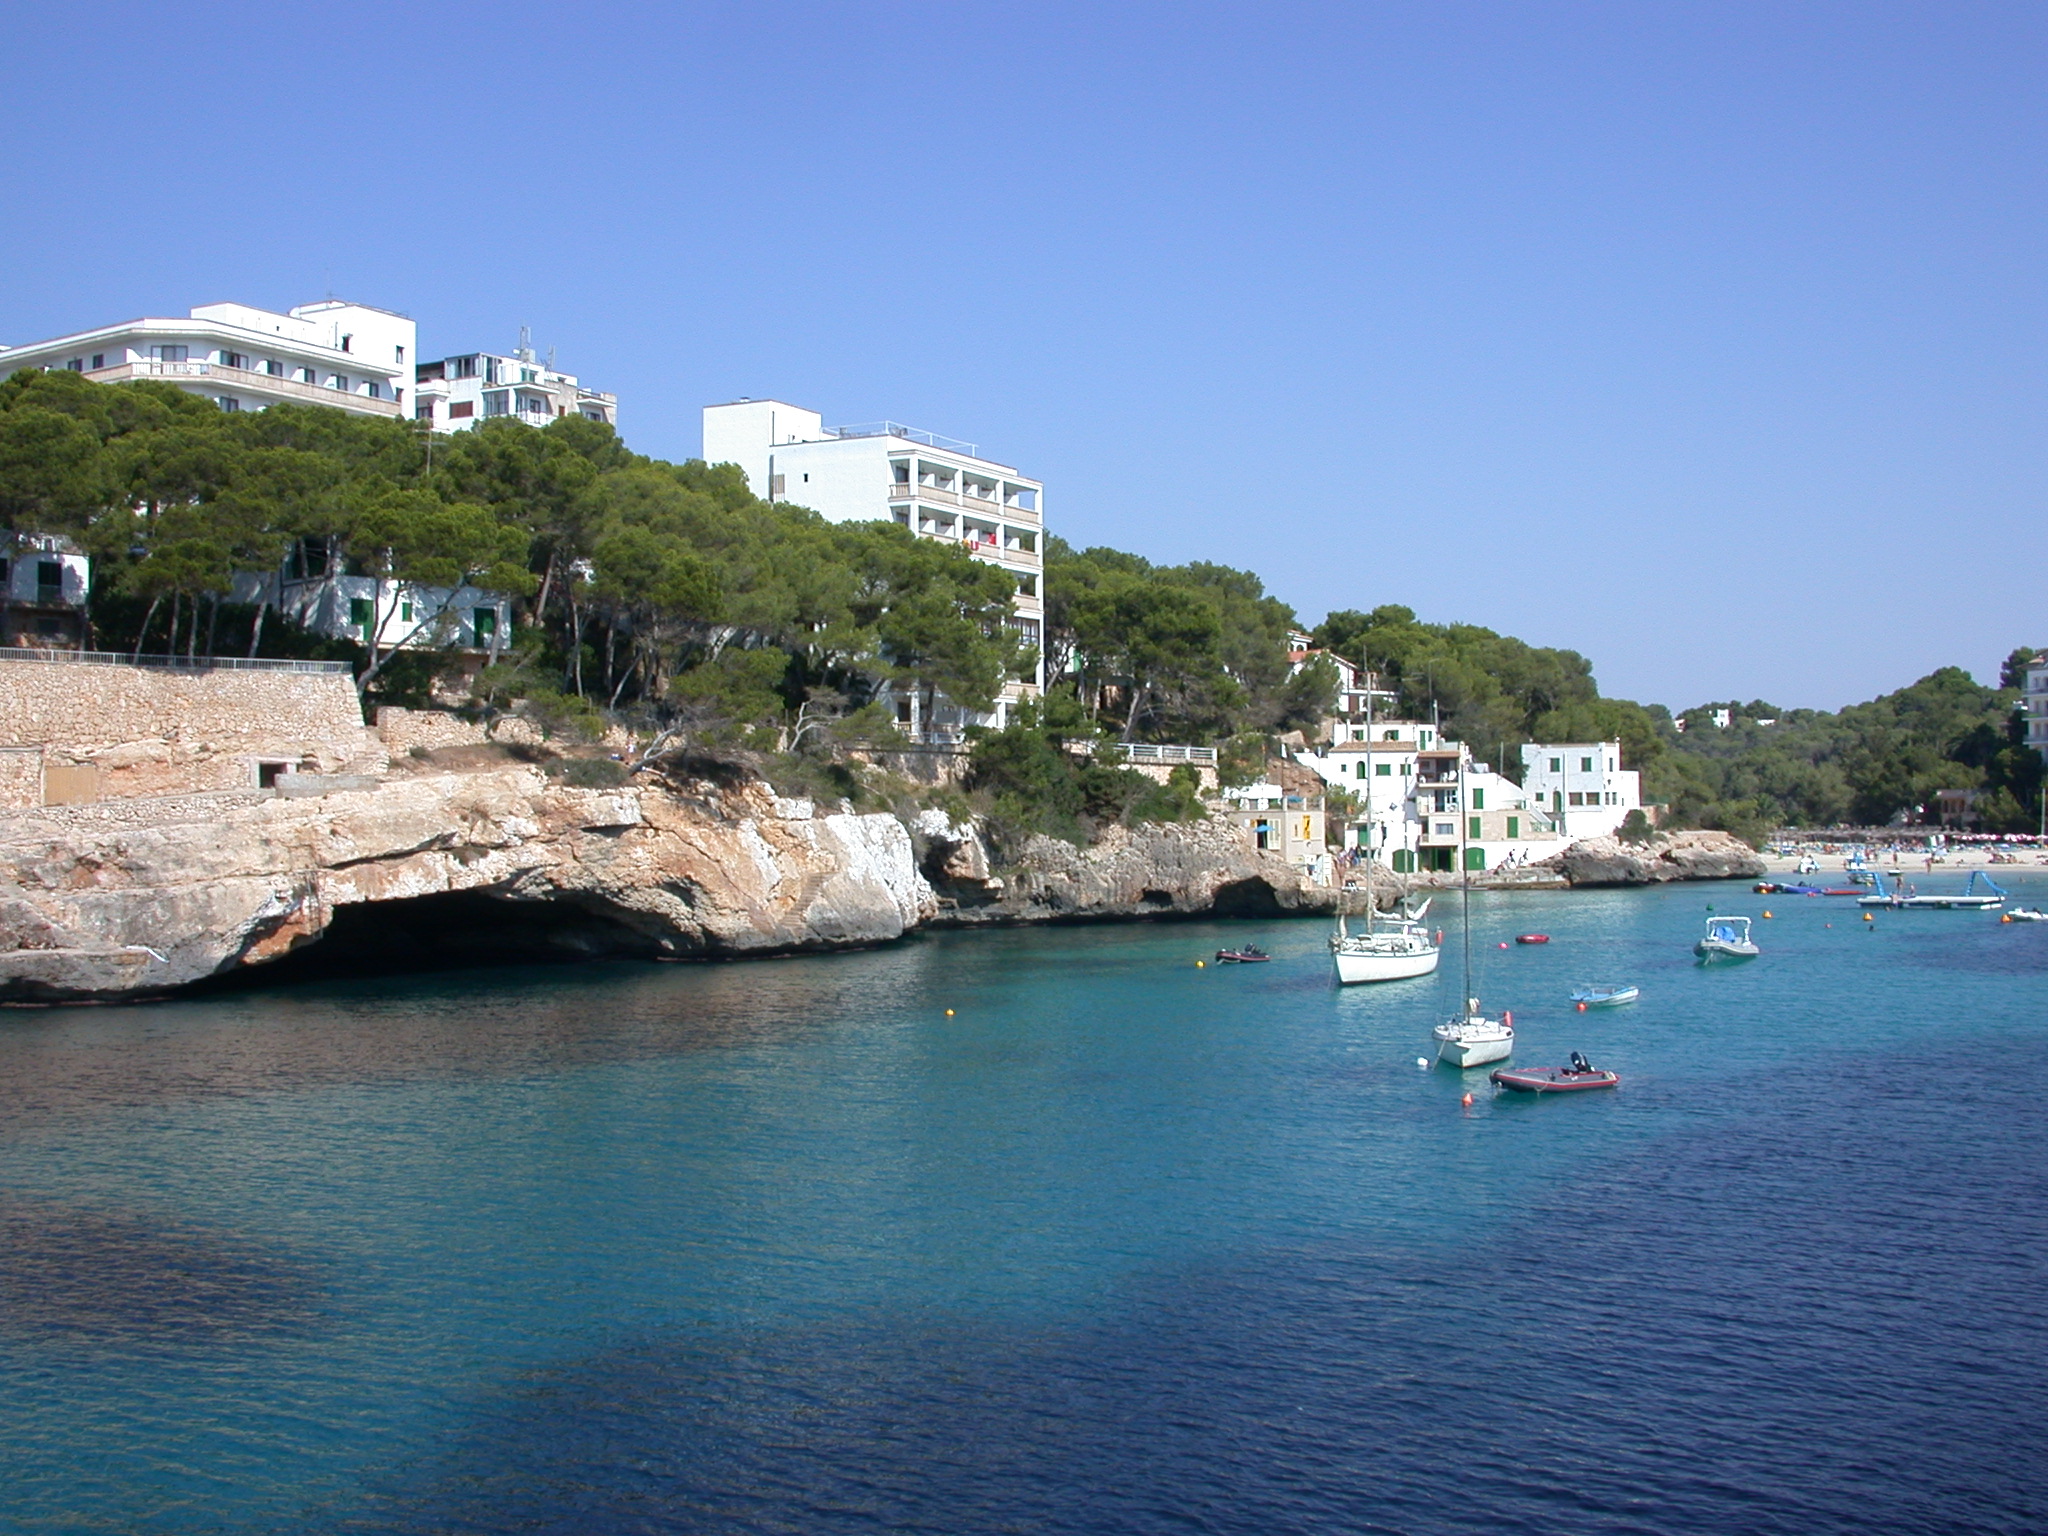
<point x="1767" y="911"/>
<point x="1200" y="963"/>
<point x="1870" y="917"/>
<point x="949" y="1013"/>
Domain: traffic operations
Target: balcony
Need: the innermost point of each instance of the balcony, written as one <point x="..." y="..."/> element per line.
<point x="247" y="381"/>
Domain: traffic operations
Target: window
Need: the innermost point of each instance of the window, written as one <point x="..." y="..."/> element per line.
<point x="337" y="381"/>
<point x="1391" y="736"/>
<point x="1027" y="586"/>
<point x="1514" y="826"/>
<point x="1361" y="770"/>
<point x="359" y="612"/>
<point x="76" y="365"/>
<point x="50" y="581"/>
<point x="497" y="402"/>
<point x="1386" y="770"/>
<point x="399" y="354"/>
<point x="348" y="343"/>
<point x="99" y="361"/>
<point x="1472" y="824"/>
<point x="232" y="359"/>
<point x="6" y="572"/>
<point x="461" y="367"/>
<point x="485" y="622"/>
<point x="405" y="611"/>
<point x="167" y="352"/>
<point x="267" y="773"/>
<point x="273" y="367"/>
<point x="374" y="390"/>
<point x="228" y="402"/>
<point x="1585" y="765"/>
<point x="1557" y="765"/>
<point x="462" y="408"/>
<point x="308" y="376"/>
<point x="423" y="410"/>
<point x="1478" y="799"/>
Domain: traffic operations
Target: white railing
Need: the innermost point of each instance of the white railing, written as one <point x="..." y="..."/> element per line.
<point x="1148" y="752"/>
<point x="178" y="663"/>
<point x="249" y="379"/>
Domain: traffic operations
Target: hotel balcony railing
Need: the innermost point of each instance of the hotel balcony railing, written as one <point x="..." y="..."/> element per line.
<point x="246" y="379"/>
<point x="904" y="491"/>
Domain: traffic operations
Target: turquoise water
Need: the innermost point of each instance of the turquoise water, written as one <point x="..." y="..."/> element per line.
<point x="1121" y="1244"/>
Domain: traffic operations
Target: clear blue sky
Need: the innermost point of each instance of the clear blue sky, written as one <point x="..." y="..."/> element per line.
<point x="1706" y="340"/>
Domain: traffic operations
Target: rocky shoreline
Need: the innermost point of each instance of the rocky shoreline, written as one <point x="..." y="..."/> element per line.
<point x="134" y="898"/>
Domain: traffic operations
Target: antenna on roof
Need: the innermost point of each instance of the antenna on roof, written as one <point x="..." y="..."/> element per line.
<point x="551" y="359"/>
<point x="526" y="343"/>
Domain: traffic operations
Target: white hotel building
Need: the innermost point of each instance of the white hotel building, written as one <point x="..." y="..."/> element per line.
<point x="935" y="486"/>
<point x="454" y="394"/>
<point x="352" y="356"/>
<point x="1582" y="785"/>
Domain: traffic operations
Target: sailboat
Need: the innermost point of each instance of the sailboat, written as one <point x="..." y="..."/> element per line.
<point x="1469" y="1038"/>
<point x="1391" y="952"/>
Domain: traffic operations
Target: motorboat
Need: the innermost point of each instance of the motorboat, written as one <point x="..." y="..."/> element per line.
<point x="2024" y="915"/>
<point x="1473" y="1040"/>
<point x="1889" y="895"/>
<point x="1249" y="954"/>
<point x="1726" y="938"/>
<point x="1532" y="938"/>
<point x="1385" y="951"/>
<point x="1597" y="996"/>
<point x="1576" y="1078"/>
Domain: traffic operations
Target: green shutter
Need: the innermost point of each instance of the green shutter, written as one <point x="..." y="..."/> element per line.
<point x="1514" y="826"/>
<point x="1475" y="858"/>
<point x="1474" y="834"/>
<point x="1404" y="861"/>
<point x="359" y="612"/>
<point x="1478" y="801"/>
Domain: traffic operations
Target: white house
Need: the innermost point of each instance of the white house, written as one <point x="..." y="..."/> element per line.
<point x="1429" y="797"/>
<point x="1582" y="785"/>
<point x="352" y="356"/>
<point x="937" y="487"/>
<point x="46" y="580"/>
<point x="1360" y="694"/>
<point x="454" y="394"/>
<point x="342" y="607"/>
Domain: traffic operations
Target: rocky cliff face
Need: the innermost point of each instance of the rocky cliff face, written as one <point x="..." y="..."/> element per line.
<point x="137" y="897"/>
<point x="1673" y="856"/>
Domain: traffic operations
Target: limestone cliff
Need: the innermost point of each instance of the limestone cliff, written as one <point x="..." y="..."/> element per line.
<point x="123" y="898"/>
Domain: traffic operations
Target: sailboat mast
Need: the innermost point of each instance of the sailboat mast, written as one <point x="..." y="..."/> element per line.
<point x="1465" y="880"/>
<point x="1372" y="900"/>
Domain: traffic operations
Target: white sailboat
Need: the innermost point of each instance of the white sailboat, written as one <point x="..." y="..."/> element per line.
<point x="1469" y="1038"/>
<point x="1391" y="952"/>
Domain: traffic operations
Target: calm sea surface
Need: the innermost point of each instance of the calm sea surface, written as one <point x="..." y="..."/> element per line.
<point x="1121" y="1245"/>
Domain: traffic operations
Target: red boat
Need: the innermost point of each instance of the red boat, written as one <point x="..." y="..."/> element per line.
<point x="1532" y="938"/>
<point x="1576" y="1078"/>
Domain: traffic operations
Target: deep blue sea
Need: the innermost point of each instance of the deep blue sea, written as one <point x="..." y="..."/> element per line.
<point x="1116" y="1245"/>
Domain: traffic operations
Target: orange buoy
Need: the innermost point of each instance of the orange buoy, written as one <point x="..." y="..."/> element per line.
<point x="1767" y="911"/>
<point x="1466" y="1101"/>
<point x="1582" y="1007"/>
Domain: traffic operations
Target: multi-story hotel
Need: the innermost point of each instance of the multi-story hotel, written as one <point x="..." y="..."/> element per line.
<point x="456" y="393"/>
<point x="935" y="486"/>
<point x="352" y="356"/>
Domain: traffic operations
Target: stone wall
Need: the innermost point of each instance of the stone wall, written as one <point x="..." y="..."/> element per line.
<point x="21" y="777"/>
<point x="155" y="731"/>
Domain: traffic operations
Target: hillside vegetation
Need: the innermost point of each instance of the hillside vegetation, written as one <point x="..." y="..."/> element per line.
<point x="667" y="595"/>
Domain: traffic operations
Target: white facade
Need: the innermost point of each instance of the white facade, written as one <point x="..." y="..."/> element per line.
<point x="349" y="608"/>
<point x="935" y="486"/>
<point x="1360" y="694"/>
<point x="1582" y="785"/>
<point x="46" y="580"/>
<point x="350" y="356"/>
<point x="1428" y="798"/>
<point x="2037" y="705"/>
<point x="454" y="394"/>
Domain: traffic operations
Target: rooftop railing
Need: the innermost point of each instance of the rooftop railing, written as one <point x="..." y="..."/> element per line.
<point x="909" y="434"/>
<point x="172" y="663"/>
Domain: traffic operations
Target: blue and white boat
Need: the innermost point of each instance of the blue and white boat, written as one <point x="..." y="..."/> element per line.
<point x="1727" y="938"/>
<point x="1597" y="996"/>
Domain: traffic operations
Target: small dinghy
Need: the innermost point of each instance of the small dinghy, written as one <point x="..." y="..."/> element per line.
<point x="1727" y="938"/>
<point x="1532" y="938"/>
<point x="1250" y="954"/>
<point x="2025" y="915"/>
<point x="1576" y="1078"/>
<point x="1604" y="996"/>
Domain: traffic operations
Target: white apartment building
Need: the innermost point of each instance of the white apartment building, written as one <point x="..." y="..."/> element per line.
<point x="1429" y="797"/>
<point x="352" y="356"/>
<point x="1582" y="785"/>
<point x="2037" y="705"/>
<point x="454" y="394"/>
<point x="935" y="486"/>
